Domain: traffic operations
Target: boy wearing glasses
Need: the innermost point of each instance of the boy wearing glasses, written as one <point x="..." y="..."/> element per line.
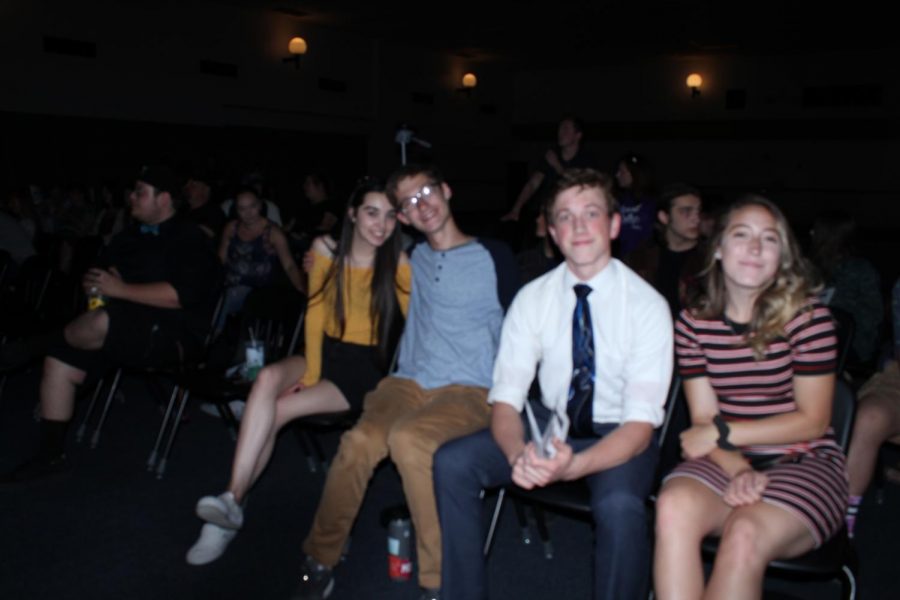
<point x="460" y="290"/>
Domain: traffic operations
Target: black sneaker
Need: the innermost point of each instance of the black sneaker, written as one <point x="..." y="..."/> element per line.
<point x="316" y="581"/>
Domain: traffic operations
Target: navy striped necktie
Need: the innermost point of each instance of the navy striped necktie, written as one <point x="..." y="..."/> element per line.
<point x="581" y="391"/>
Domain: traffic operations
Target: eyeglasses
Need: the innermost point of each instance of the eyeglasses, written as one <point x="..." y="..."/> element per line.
<point x="424" y="193"/>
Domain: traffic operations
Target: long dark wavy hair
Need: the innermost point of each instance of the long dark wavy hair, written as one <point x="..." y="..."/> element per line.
<point x="789" y="290"/>
<point x="384" y="310"/>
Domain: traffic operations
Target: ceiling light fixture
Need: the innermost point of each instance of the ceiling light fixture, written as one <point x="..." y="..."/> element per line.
<point x="469" y="81"/>
<point x="297" y="47"/>
<point x="694" y="81"/>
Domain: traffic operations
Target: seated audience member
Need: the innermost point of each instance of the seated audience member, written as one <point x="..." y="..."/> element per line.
<point x="635" y="192"/>
<point x="77" y="219"/>
<point x="160" y="281"/>
<point x="19" y="205"/>
<point x="601" y="339"/>
<point x="671" y="262"/>
<point x="200" y="210"/>
<point x="14" y="238"/>
<point x="877" y="420"/>
<point x="359" y="287"/>
<point x="460" y="288"/>
<point x="255" y="181"/>
<point x="113" y="213"/>
<point x="250" y="249"/>
<point x="851" y="282"/>
<point x="543" y="257"/>
<point x="757" y="352"/>
<point x="317" y="213"/>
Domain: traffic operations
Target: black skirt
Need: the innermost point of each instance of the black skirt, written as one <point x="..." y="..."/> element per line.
<point x="353" y="368"/>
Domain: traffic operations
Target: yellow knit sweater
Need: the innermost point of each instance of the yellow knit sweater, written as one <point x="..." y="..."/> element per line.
<point x="358" y="327"/>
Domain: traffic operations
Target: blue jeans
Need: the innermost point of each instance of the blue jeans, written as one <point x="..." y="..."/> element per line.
<point x="463" y="467"/>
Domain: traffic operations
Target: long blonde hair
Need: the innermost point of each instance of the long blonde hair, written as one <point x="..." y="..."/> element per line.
<point x="780" y="302"/>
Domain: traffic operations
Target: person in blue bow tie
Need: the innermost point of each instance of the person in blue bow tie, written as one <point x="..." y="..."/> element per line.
<point x="159" y="281"/>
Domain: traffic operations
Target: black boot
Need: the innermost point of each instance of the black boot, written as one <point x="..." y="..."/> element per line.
<point x="50" y="458"/>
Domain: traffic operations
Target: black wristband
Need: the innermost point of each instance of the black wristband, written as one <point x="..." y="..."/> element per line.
<point x="724" y="430"/>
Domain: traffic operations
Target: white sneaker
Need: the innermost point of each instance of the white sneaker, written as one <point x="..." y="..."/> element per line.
<point x="236" y="406"/>
<point x="221" y="510"/>
<point x="210" y="545"/>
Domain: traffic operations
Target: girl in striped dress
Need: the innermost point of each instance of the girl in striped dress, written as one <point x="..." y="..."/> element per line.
<point x="757" y="353"/>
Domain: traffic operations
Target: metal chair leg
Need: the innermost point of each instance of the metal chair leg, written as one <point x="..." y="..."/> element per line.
<point x="319" y="452"/>
<point x="541" y="524"/>
<point x="230" y="420"/>
<point x="523" y="521"/>
<point x="173" y="431"/>
<point x="303" y="440"/>
<point x="154" y="454"/>
<point x="95" y="439"/>
<point x="849" y="583"/>
<point x="82" y="429"/>
<point x="498" y="507"/>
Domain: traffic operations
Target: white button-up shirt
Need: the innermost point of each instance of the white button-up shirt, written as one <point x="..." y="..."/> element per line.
<point x="632" y="329"/>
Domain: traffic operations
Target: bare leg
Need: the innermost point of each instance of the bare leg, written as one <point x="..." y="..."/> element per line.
<point x="323" y="397"/>
<point x="88" y="330"/>
<point x="268" y="409"/>
<point x="58" y="389"/>
<point x="753" y="536"/>
<point x="686" y="512"/>
<point x="876" y="421"/>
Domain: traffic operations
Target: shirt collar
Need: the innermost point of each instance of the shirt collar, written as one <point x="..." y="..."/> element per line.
<point x="601" y="280"/>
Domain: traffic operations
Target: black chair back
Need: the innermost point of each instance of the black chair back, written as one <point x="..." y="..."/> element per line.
<point x="677" y="419"/>
<point x="843" y="412"/>
<point x="845" y="326"/>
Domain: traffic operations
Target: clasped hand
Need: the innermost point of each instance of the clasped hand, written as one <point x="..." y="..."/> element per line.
<point x="101" y="281"/>
<point x="745" y="488"/>
<point x="531" y="471"/>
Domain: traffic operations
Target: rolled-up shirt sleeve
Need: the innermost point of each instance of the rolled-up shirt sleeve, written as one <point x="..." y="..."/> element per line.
<point x="648" y="368"/>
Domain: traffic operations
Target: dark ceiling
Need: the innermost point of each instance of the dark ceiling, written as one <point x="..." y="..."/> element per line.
<point x="546" y="33"/>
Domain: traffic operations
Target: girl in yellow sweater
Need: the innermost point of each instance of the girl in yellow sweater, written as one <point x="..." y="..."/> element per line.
<point x="358" y="288"/>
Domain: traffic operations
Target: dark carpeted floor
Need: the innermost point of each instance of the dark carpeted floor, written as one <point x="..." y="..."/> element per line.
<point x="108" y="529"/>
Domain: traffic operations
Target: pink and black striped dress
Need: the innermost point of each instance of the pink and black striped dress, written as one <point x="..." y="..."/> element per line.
<point x="808" y="479"/>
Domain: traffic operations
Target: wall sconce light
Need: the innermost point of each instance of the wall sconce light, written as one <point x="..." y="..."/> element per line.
<point x="297" y="47"/>
<point x="694" y="81"/>
<point x="469" y="81"/>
